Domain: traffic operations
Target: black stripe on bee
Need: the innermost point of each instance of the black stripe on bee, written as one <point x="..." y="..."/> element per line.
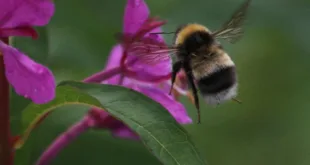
<point x="218" y="81"/>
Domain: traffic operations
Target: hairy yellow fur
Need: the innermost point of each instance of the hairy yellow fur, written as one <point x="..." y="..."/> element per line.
<point x="188" y="30"/>
<point x="204" y="66"/>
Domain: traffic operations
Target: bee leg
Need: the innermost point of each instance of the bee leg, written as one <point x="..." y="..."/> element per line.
<point x="175" y="69"/>
<point x="190" y="78"/>
<point x="236" y="100"/>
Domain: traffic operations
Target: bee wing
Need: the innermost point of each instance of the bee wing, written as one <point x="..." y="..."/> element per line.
<point x="232" y="30"/>
<point x="147" y="49"/>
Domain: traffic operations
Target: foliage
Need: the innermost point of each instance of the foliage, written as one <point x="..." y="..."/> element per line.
<point x="270" y="127"/>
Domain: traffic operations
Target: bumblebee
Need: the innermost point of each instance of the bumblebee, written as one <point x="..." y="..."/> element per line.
<point x="208" y="67"/>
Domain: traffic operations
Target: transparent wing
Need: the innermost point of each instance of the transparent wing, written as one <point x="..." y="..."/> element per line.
<point x="147" y="49"/>
<point x="232" y="30"/>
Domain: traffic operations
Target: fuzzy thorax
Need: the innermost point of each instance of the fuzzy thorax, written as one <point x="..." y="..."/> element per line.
<point x="187" y="30"/>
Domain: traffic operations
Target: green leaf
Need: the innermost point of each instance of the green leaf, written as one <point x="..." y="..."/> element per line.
<point x="159" y="131"/>
<point x="33" y="114"/>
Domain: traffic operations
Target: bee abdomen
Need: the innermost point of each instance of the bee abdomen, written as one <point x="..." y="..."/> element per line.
<point x="218" y="81"/>
<point x="219" y="86"/>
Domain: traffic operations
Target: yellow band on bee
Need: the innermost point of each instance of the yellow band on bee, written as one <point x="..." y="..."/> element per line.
<point x="188" y="30"/>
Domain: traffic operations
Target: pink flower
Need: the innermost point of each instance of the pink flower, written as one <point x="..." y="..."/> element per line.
<point x="136" y="13"/>
<point x="28" y="78"/>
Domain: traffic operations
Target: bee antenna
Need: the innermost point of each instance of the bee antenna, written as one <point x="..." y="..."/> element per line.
<point x="163" y="33"/>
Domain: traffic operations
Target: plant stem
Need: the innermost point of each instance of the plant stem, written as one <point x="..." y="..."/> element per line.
<point x="5" y="143"/>
<point x="64" y="139"/>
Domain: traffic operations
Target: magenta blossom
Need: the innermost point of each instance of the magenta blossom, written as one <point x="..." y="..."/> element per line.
<point x="28" y="78"/>
<point x="130" y="71"/>
<point x="136" y="13"/>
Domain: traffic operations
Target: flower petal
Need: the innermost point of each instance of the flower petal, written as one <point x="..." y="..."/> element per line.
<point x="114" y="57"/>
<point x="143" y="71"/>
<point x="114" y="61"/>
<point x="29" y="79"/>
<point x="176" y="109"/>
<point x="15" y="13"/>
<point x="149" y="73"/>
<point x="162" y="68"/>
<point x="136" y="12"/>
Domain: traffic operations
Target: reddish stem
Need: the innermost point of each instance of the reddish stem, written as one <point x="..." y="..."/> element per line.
<point x="64" y="139"/>
<point x="5" y="143"/>
<point x="94" y="118"/>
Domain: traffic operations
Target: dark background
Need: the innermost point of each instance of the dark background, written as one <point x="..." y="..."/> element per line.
<point x="271" y="127"/>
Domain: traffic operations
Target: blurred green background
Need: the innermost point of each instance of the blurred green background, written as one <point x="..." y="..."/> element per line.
<point x="271" y="127"/>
